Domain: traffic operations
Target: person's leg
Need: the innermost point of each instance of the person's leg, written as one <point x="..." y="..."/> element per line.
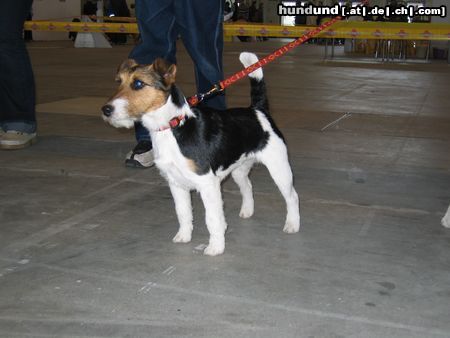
<point x="17" y="90"/>
<point x="157" y="28"/>
<point x="156" y="21"/>
<point x="200" y="25"/>
<point x="140" y="132"/>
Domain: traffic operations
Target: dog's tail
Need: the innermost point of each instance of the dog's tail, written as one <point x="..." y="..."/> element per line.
<point x="258" y="87"/>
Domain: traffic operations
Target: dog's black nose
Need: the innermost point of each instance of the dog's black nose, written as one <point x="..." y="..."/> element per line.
<point x="107" y="110"/>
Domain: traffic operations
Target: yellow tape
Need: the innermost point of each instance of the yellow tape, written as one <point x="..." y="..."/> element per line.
<point x="87" y="27"/>
<point x="349" y="29"/>
<point x="342" y="29"/>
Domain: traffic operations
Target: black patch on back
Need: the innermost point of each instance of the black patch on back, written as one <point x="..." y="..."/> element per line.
<point x="217" y="139"/>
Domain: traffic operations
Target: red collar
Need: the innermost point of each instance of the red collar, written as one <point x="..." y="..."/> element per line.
<point x="175" y="122"/>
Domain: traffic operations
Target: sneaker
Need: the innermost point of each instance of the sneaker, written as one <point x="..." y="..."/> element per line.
<point x="13" y="139"/>
<point x="141" y="156"/>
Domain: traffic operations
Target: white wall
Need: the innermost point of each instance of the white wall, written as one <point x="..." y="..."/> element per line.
<point x="436" y="19"/>
<point x="54" y="9"/>
<point x="438" y="3"/>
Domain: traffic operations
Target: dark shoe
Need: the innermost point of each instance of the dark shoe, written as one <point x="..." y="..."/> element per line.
<point x="141" y="156"/>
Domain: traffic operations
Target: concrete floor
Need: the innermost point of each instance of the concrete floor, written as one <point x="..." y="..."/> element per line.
<point x="85" y="243"/>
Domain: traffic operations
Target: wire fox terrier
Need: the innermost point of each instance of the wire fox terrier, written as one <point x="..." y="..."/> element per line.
<point x="195" y="148"/>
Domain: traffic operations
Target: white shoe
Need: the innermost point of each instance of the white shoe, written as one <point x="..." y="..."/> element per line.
<point x="13" y="139"/>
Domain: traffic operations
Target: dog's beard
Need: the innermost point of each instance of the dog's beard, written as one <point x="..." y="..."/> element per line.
<point x="120" y="117"/>
<point x="120" y="122"/>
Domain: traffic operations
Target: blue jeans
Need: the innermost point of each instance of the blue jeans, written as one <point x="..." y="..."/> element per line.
<point x="199" y="24"/>
<point x="17" y="90"/>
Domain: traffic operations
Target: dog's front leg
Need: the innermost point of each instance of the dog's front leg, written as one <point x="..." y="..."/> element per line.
<point x="183" y="207"/>
<point x="446" y="219"/>
<point x="215" y="219"/>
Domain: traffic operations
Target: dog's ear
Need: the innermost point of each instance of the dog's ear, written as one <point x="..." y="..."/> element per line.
<point x="166" y="70"/>
<point x="127" y="65"/>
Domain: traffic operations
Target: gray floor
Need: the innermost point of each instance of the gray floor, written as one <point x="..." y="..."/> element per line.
<point x="86" y="243"/>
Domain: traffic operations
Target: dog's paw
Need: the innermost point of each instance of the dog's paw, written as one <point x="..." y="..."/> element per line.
<point x="446" y="221"/>
<point x="215" y="247"/>
<point x="291" y="228"/>
<point x="246" y="212"/>
<point x="182" y="237"/>
<point x="213" y="250"/>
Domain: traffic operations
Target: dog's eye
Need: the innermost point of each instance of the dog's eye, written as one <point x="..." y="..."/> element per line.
<point x="137" y="84"/>
<point x="118" y="80"/>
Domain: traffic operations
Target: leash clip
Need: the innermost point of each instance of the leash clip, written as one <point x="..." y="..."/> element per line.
<point x="215" y="89"/>
<point x="196" y="99"/>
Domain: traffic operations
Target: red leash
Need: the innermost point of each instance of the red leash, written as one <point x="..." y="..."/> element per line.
<point x="194" y="100"/>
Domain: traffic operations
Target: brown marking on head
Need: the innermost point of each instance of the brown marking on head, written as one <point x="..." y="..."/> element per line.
<point x="126" y="65"/>
<point x="157" y="80"/>
<point x="166" y="70"/>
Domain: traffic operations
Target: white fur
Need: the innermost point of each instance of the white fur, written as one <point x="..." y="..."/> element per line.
<point x="446" y="219"/>
<point x="178" y="172"/>
<point x="182" y="198"/>
<point x="160" y="117"/>
<point x="182" y="179"/>
<point x="248" y="59"/>
<point x="120" y="118"/>
<point x="274" y="156"/>
<point x="240" y="176"/>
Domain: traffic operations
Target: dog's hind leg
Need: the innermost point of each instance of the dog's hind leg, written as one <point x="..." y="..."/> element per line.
<point x="275" y="158"/>
<point x="214" y="216"/>
<point x="183" y="207"/>
<point x="240" y="176"/>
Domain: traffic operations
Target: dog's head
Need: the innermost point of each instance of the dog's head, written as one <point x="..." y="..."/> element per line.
<point x="142" y="89"/>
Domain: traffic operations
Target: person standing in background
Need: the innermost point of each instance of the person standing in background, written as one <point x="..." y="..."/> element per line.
<point x="17" y="88"/>
<point x="90" y="9"/>
<point x="252" y="12"/>
<point x="119" y="8"/>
